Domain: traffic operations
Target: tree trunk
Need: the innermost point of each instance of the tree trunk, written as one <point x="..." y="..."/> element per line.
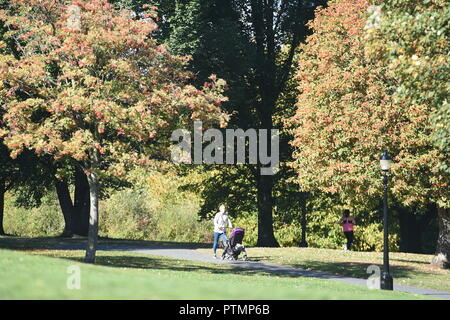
<point x="65" y="202"/>
<point x="93" y="217"/>
<point x="303" y="243"/>
<point x="2" y="205"/>
<point x="81" y="204"/>
<point x="442" y="257"/>
<point x="410" y="232"/>
<point x="265" y="183"/>
<point x="76" y="213"/>
<point x="266" y="237"/>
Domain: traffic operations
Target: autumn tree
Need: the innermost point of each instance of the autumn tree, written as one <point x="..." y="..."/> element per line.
<point x="348" y="115"/>
<point x="92" y="87"/>
<point x="411" y="39"/>
<point x="27" y="174"/>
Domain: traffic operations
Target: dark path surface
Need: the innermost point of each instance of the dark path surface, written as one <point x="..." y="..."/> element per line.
<point x="191" y="254"/>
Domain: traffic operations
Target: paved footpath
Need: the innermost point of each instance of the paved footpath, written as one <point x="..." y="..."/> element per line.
<point x="192" y="254"/>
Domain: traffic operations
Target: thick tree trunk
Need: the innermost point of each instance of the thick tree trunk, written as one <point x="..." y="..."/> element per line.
<point x="442" y="257"/>
<point x="81" y="204"/>
<point x="410" y="232"/>
<point x="266" y="237"/>
<point x="2" y="205"/>
<point x="93" y="218"/>
<point x="76" y="213"/>
<point x="265" y="183"/>
<point x="65" y="202"/>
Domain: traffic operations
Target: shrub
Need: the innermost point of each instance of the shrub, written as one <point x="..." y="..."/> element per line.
<point x="154" y="209"/>
<point x="46" y="220"/>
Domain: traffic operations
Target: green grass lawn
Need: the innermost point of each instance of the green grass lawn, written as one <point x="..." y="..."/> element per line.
<point x="43" y="274"/>
<point x="406" y="268"/>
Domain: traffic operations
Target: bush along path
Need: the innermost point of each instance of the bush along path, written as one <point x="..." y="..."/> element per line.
<point x="190" y="253"/>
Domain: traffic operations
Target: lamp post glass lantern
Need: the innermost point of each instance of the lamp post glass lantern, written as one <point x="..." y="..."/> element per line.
<point x="386" y="281"/>
<point x="385" y="161"/>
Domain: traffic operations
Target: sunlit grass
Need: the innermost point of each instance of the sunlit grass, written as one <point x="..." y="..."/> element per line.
<point x="43" y="274"/>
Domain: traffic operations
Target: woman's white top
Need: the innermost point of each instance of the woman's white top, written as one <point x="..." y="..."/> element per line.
<point x="221" y="220"/>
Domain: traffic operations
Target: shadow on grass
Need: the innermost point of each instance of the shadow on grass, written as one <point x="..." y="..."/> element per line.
<point x="170" y="264"/>
<point x="356" y="269"/>
<point x="262" y="258"/>
<point x="409" y="260"/>
<point x="24" y="243"/>
<point x="165" y="264"/>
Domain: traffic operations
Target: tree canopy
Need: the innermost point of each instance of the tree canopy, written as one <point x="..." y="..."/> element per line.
<point x="349" y="111"/>
<point x="347" y="116"/>
<point x="90" y="85"/>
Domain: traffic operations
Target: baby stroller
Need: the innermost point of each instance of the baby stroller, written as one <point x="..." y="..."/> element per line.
<point x="234" y="246"/>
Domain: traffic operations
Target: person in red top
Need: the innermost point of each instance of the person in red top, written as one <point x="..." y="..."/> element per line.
<point x="348" y="225"/>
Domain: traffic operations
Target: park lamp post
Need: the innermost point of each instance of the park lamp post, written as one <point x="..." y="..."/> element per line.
<point x="386" y="281"/>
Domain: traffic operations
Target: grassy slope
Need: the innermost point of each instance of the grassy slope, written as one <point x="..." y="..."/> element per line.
<point x="406" y="268"/>
<point x="123" y="275"/>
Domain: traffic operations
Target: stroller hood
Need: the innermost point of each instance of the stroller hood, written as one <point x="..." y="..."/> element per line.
<point x="236" y="231"/>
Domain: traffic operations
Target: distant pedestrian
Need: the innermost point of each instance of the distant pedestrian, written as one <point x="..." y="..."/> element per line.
<point x="348" y="225"/>
<point x="221" y="222"/>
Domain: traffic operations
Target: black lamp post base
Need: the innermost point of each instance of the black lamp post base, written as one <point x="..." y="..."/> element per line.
<point x="386" y="281"/>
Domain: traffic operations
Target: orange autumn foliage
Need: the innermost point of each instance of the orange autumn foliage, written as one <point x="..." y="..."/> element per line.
<point x="347" y="116"/>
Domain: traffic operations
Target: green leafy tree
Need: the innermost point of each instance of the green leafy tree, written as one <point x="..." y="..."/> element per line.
<point x="245" y="43"/>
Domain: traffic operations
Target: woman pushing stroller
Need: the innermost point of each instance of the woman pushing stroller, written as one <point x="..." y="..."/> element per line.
<point x="221" y="221"/>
